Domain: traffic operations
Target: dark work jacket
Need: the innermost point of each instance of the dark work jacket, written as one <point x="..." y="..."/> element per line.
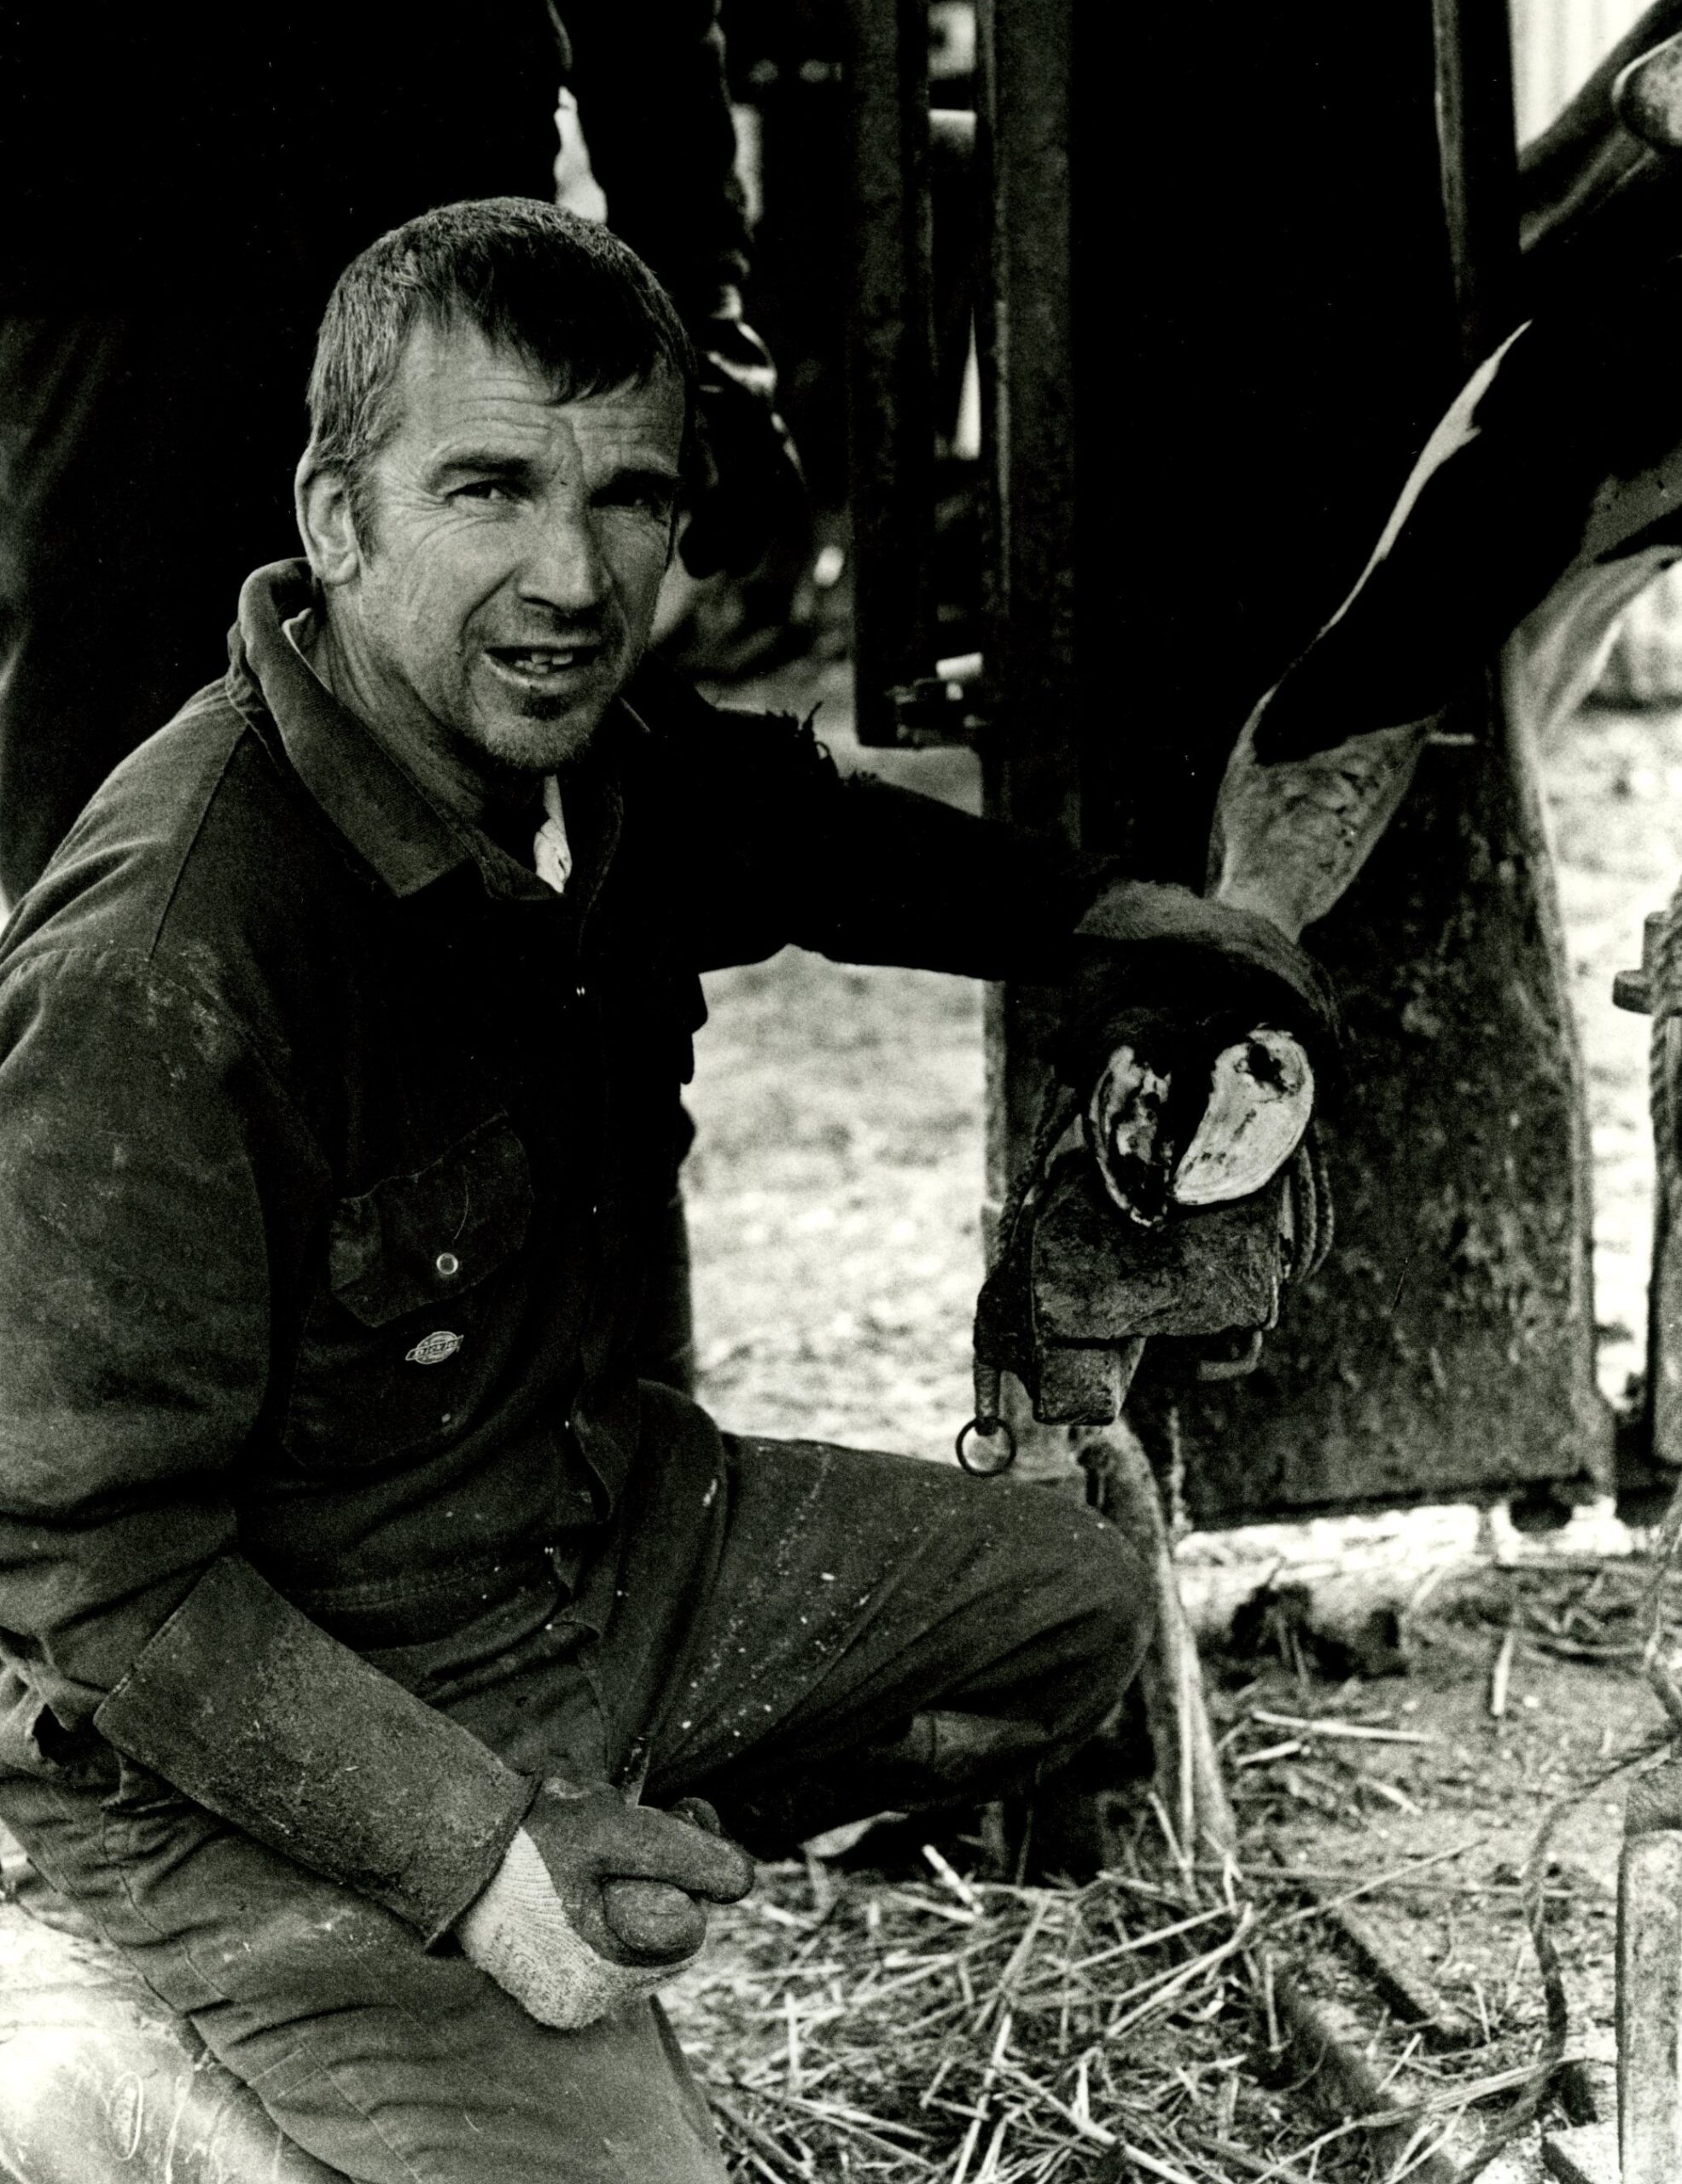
<point x="330" y="1150"/>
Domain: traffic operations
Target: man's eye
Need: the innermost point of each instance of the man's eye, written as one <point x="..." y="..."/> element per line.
<point x="483" y="489"/>
<point x="645" y="500"/>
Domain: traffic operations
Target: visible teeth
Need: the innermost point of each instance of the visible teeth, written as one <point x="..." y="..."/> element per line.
<point x="537" y="660"/>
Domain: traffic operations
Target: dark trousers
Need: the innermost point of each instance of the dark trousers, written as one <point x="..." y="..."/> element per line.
<point x="817" y="1634"/>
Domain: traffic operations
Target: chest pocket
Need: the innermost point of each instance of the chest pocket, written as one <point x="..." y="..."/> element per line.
<point x="405" y="1343"/>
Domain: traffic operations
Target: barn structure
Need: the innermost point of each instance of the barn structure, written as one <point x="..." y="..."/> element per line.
<point x="1229" y="275"/>
<point x="1230" y="266"/>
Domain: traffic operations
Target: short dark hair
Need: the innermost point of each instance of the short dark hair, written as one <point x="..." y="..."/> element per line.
<point x="562" y="293"/>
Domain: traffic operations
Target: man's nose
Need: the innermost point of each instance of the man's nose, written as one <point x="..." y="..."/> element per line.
<point x="564" y="567"/>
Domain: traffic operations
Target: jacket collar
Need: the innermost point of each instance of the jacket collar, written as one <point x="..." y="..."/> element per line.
<point x="384" y="814"/>
<point x="374" y="803"/>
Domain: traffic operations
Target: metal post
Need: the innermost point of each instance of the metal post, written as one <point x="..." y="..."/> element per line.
<point x="1031" y="761"/>
<point x="890" y="357"/>
<point x="1478" y="153"/>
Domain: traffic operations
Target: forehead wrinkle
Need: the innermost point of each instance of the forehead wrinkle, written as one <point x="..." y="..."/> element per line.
<point x="517" y="424"/>
<point x="554" y="446"/>
<point x="462" y="357"/>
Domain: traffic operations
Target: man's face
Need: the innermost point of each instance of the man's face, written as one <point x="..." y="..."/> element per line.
<point x="516" y="545"/>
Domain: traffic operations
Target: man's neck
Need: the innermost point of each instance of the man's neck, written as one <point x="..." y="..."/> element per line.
<point x="508" y="809"/>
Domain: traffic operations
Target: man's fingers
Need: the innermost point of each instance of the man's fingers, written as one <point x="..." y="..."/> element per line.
<point x="653" y="1918"/>
<point x="648" y="1845"/>
<point x="1146" y="952"/>
<point x="591" y="1836"/>
<point x="699" y="1813"/>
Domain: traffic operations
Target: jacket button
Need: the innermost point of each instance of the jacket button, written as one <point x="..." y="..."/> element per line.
<point x="447" y="1263"/>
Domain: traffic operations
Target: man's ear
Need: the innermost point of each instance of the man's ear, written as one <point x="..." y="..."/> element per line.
<point x="321" y="499"/>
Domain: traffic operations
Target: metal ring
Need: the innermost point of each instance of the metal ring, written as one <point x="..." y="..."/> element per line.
<point x="985" y="1433"/>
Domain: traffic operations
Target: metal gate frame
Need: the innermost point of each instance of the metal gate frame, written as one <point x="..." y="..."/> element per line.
<point x="1447" y="1352"/>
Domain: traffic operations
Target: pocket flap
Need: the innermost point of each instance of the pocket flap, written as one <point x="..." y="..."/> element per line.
<point x="420" y="1239"/>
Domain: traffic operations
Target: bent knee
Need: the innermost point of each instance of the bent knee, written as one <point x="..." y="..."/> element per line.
<point x="1113" y="1600"/>
<point x="1097" y="1611"/>
<point x="1093" y="1566"/>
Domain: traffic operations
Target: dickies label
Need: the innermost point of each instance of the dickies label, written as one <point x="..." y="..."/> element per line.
<point x="433" y="1349"/>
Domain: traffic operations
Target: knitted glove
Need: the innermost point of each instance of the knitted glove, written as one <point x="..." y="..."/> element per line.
<point x="594" y="1904"/>
<point x="1159" y="954"/>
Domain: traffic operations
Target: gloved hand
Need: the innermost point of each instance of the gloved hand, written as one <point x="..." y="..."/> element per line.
<point x="598" y="1902"/>
<point x="752" y="486"/>
<point x="1147" y="947"/>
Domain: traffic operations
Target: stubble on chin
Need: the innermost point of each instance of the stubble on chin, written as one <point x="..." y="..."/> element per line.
<point x="542" y="709"/>
<point x="544" y="736"/>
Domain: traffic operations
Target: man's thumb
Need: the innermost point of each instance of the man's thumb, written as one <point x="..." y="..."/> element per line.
<point x="653" y="1918"/>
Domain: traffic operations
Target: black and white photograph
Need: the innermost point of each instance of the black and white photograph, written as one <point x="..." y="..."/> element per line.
<point x="841" y="1092"/>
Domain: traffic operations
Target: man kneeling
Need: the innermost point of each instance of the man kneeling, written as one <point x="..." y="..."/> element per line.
<point x="371" y="1636"/>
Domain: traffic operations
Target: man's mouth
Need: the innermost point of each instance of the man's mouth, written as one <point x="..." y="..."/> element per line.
<point x="544" y="663"/>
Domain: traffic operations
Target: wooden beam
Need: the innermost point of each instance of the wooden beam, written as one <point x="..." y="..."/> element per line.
<point x="1649" y="2008"/>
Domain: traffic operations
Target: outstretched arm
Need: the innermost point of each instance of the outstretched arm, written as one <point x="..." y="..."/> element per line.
<point x="768" y="844"/>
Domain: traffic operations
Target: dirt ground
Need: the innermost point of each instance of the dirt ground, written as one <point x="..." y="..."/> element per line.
<point x="833" y="1188"/>
<point x="833" y="1199"/>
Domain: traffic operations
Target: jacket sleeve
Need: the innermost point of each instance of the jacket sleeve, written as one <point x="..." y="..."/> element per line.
<point x="156" y="1197"/>
<point x="770" y="846"/>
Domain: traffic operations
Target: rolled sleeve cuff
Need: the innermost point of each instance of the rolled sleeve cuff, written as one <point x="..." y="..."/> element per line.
<point x="256" y="1713"/>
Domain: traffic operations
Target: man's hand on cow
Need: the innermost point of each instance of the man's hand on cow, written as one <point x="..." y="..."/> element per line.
<point x="752" y="489"/>
<point x="1193" y="1033"/>
<point x="1196" y="1114"/>
<point x="598" y="1902"/>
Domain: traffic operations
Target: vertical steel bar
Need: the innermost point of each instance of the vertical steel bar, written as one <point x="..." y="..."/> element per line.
<point x="1031" y="762"/>
<point x="1032" y="772"/>
<point x="890" y="357"/>
<point x="1477" y="146"/>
